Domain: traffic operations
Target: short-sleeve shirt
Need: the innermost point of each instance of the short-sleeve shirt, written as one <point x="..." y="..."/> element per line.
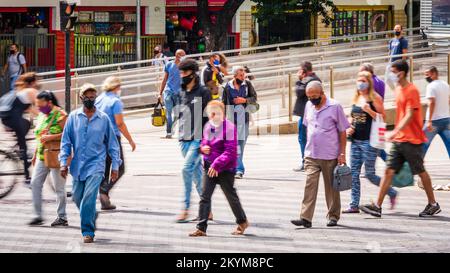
<point x="173" y="84"/>
<point x="110" y="103"/>
<point x="439" y="90"/>
<point x="379" y="86"/>
<point x="43" y="122"/>
<point x="408" y="98"/>
<point x="396" y="47"/>
<point x="14" y="64"/>
<point x="323" y="129"/>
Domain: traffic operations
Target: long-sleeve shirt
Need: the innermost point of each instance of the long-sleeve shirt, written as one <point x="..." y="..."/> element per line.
<point x="223" y="143"/>
<point x="90" y="140"/>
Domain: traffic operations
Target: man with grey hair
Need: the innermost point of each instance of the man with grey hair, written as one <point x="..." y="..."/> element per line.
<point x="237" y="95"/>
<point x="326" y="123"/>
<point x="378" y="84"/>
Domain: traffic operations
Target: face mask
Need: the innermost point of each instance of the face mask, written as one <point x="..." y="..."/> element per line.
<point x="393" y="77"/>
<point x="397" y="33"/>
<point x="214" y="123"/>
<point x="45" y="110"/>
<point x="239" y="81"/>
<point x="428" y="79"/>
<point x="186" y="80"/>
<point x="119" y="92"/>
<point x="182" y="58"/>
<point x="362" y="86"/>
<point x="89" y="104"/>
<point x="156" y="52"/>
<point x="216" y="62"/>
<point x="12" y="52"/>
<point x="316" y="101"/>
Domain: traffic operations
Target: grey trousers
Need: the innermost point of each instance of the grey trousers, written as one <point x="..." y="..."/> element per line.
<point x="40" y="173"/>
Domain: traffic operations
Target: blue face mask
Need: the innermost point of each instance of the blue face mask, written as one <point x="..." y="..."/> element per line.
<point x="216" y="62"/>
<point x="361" y="86"/>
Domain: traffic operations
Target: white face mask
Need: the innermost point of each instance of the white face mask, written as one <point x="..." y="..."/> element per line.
<point x="119" y="93"/>
<point x="214" y="123"/>
<point x="393" y="77"/>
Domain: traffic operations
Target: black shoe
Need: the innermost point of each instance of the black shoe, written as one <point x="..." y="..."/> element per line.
<point x="59" y="222"/>
<point x="300" y="168"/>
<point x="430" y="210"/>
<point x="371" y="209"/>
<point x="36" y="222"/>
<point x="302" y="222"/>
<point x="332" y="223"/>
<point x="69" y="194"/>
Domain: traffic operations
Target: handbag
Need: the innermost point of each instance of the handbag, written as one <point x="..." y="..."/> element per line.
<point x="51" y="149"/>
<point x="404" y="178"/>
<point x="159" y="115"/>
<point x="342" y="178"/>
<point x="377" y="132"/>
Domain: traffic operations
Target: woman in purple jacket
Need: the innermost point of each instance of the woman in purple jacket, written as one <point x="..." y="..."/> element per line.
<point x="219" y="149"/>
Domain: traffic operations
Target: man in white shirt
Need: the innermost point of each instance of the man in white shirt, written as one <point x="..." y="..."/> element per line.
<point x="437" y="117"/>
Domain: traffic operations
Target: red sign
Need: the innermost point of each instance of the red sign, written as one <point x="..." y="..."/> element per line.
<point x="193" y="3"/>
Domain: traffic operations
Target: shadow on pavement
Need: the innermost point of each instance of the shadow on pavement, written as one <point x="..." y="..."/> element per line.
<point x="143" y="212"/>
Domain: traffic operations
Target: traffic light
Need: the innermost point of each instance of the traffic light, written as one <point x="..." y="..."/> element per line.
<point x="67" y="18"/>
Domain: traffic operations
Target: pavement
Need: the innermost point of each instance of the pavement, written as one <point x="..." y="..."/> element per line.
<point x="149" y="198"/>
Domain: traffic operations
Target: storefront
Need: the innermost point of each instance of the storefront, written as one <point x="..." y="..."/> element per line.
<point x="435" y="15"/>
<point x="12" y="19"/>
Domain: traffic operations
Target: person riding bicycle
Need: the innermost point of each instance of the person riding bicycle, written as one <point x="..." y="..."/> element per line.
<point x="21" y="101"/>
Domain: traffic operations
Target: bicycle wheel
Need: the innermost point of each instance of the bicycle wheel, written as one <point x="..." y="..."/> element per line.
<point x="11" y="170"/>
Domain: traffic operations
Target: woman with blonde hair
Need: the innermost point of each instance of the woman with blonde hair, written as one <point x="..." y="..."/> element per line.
<point x="110" y="103"/>
<point x="367" y="104"/>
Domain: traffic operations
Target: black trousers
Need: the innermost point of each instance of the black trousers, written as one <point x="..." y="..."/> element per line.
<point x="226" y="182"/>
<point x="106" y="184"/>
<point x="20" y="126"/>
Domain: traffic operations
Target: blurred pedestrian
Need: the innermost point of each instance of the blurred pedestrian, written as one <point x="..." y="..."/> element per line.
<point x="437" y="117"/>
<point x="194" y="98"/>
<point x="171" y="86"/>
<point x="110" y="103"/>
<point x="219" y="149"/>
<point x="211" y="75"/>
<point x="305" y="75"/>
<point x="49" y="128"/>
<point x="238" y="94"/>
<point x="88" y="136"/>
<point x="366" y="106"/>
<point x="326" y="127"/>
<point x="408" y="138"/>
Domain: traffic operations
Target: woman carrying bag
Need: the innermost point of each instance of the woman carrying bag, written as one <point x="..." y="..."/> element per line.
<point x="367" y="105"/>
<point x="50" y="125"/>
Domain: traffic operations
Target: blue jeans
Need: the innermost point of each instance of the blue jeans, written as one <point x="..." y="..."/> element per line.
<point x="171" y="101"/>
<point x="242" y="141"/>
<point x="302" y="139"/>
<point x="12" y="82"/>
<point x="383" y="155"/>
<point x="362" y="153"/>
<point x="441" y="128"/>
<point x="84" y="194"/>
<point x="192" y="169"/>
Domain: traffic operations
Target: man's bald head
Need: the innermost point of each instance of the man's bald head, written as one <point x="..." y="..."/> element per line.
<point x="180" y="53"/>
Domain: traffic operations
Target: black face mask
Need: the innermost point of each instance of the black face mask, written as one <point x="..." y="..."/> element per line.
<point x="12" y="52"/>
<point x="397" y="33"/>
<point x="89" y="104"/>
<point x="156" y="52"/>
<point x="186" y="80"/>
<point x="316" y="101"/>
<point x="239" y="81"/>
<point x="428" y="79"/>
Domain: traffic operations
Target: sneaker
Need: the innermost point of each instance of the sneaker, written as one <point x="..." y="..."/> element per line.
<point x="106" y="203"/>
<point x="302" y="222"/>
<point x="59" y="222"/>
<point x="332" y="223"/>
<point x="88" y="239"/>
<point x="300" y="168"/>
<point x="168" y="136"/>
<point x="371" y="209"/>
<point x="393" y="201"/>
<point x="351" y="210"/>
<point x="69" y="194"/>
<point x="239" y="175"/>
<point x="38" y="221"/>
<point x="430" y="210"/>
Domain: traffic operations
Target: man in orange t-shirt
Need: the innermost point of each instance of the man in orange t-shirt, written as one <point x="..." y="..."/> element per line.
<point x="408" y="138"/>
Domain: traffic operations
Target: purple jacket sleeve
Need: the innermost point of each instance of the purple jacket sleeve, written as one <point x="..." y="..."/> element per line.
<point x="230" y="150"/>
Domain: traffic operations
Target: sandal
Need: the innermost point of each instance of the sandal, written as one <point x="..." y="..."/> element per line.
<point x="351" y="210"/>
<point x="197" y="233"/>
<point x="183" y="217"/>
<point x="240" y="229"/>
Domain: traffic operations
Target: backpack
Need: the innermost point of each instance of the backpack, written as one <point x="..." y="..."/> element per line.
<point x="6" y="103"/>
<point x="342" y="178"/>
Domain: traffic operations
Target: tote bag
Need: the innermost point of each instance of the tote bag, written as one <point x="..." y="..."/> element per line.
<point x="159" y="115"/>
<point x="404" y="178"/>
<point x="377" y="132"/>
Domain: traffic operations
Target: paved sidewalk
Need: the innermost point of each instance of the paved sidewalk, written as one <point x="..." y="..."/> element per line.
<point x="149" y="198"/>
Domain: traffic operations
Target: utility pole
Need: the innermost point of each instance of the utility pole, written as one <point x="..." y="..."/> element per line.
<point x="410" y="16"/>
<point x="138" y="30"/>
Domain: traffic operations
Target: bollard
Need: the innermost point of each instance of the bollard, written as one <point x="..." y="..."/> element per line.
<point x="76" y="88"/>
<point x="331" y="83"/>
<point x="411" y="69"/>
<point x="290" y="96"/>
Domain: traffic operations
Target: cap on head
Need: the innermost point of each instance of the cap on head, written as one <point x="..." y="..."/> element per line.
<point x="87" y="87"/>
<point x="111" y="83"/>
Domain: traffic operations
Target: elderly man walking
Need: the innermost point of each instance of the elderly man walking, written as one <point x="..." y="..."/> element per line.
<point x="89" y="133"/>
<point x="326" y="127"/>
